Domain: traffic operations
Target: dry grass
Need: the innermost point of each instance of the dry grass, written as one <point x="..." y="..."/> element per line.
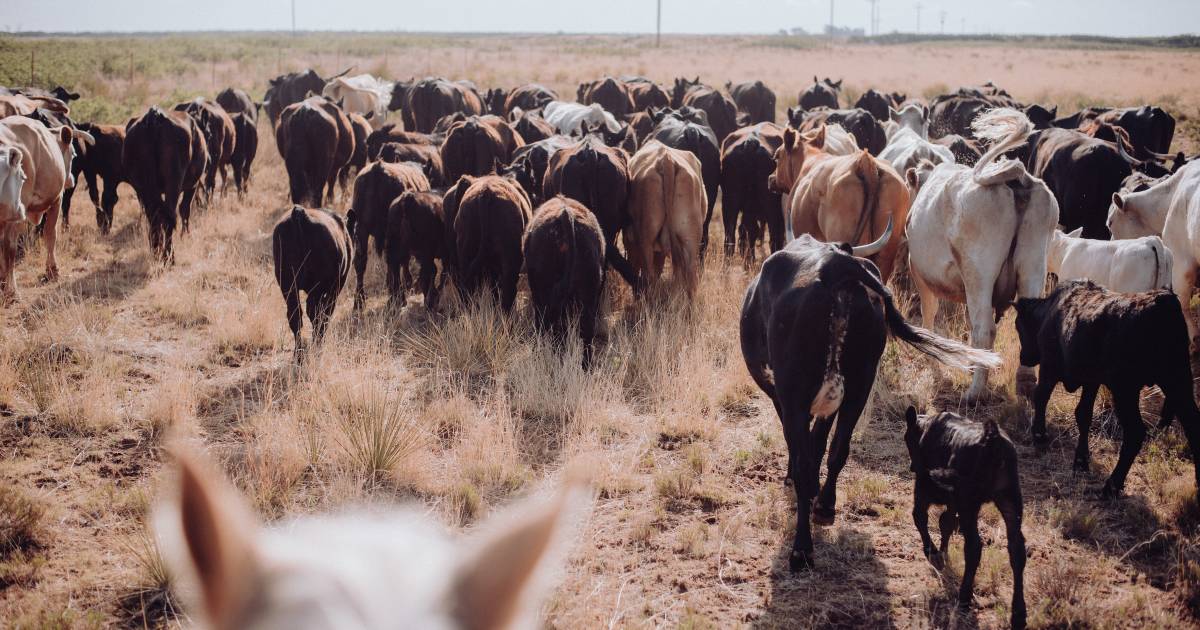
<point x="462" y="411"/>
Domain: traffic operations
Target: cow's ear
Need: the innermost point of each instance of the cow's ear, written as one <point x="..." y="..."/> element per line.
<point x="1118" y="201"/>
<point x="789" y="138"/>
<point x="838" y="85"/>
<point x="910" y="417"/>
<point x="911" y="177"/>
<point x="65" y="134"/>
<point x="893" y="114"/>
<point x="14" y="157"/>
<point x="1076" y="233"/>
<point x="815" y="79"/>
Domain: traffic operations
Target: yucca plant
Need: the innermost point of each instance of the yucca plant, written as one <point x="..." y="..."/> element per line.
<point x="375" y="431"/>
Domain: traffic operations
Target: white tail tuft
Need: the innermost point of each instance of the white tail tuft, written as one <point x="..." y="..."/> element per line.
<point x="1006" y="129"/>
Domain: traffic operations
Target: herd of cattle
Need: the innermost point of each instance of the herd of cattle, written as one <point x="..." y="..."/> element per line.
<point x="976" y="195"/>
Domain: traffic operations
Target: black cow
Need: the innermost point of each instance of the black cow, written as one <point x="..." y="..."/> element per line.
<point x="597" y="176"/>
<point x="821" y="94"/>
<point x="868" y="132"/>
<point x="686" y="130"/>
<point x="813" y="327"/>
<point x="416" y="229"/>
<point x="747" y="161"/>
<point x="234" y="101"/>
<point x="564" y="262"/>
<point x="754" y="99"/>
<point x="1151" y="130"/>
<point x="720" y="112"/>
<point x="312" y="252"/>
<point x="535" y="158"/>
<point x="489" y="224"/>
<point x="102" y="161"/>
<point x="163" y="159"/>
<point x="245" y="148"/>
<point x="1082" y="172"/>
<point x="293" y="87"/>
<point x="375" y="188"/>
<point x="877" y="103"/>
<point x="1085" y="336"/>
<point x="965" y="151"/>
<point x="963" y="464"/>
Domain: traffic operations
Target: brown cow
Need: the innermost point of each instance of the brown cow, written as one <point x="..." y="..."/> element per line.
<point x="527" y="97"/>
<point x="244" y="150"/>
<point x="392" y="132"/>
<point x="375" y="188"/>
<point x="101" y="162"/>
<point x="312" y="251"/>
<point x="164" y="159"/>
<point x="855" y="199"/>
<point x="416" y="229"/>
<point x="488" y="227"/>
<point x="473" y="147"/>
<point x="564" y="263"/>
<point x="609" y="93"/>
<point x="667" y="204"/>
<point x="718" y="108"/>
<point x="429" y="157"/>
<point x="236" y="101"/>
<point x="597" y="176"/>
<point x="307" y="137"/>
<point x="219" y="136"/>
<point x="358" y="159"/>
<point x="43" y="157"/>
<point x="532" y="127"/>
<point x="647" y="95"/>
<point x="747" y="161"/>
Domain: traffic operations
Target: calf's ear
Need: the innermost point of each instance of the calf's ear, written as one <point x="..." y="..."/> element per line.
<point x="910" y="176"/>
<point x="1118" y="201"/>
<point x="910" y="416"/>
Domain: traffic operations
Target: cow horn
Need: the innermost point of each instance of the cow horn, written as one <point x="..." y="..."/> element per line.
<point x="871" y="249"/>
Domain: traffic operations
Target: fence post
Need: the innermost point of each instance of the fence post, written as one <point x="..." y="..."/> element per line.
<point x="32" y="53"/>
<point x="131" y="68"/>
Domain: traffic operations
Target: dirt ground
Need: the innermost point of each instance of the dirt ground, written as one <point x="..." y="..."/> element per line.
<point x="691" y="523"/>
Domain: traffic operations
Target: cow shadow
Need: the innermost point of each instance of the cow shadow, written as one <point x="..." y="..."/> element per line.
<point x="114" y="282"/>
<point x="846" y="589"/>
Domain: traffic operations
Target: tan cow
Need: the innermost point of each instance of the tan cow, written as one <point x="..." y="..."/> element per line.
<point x="46" y="162"/>
<point x="851" y="199"/>
<point x="24" y="105"/>
<point x="667" y="203"/>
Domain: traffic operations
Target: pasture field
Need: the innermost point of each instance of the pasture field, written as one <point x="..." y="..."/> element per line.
<point x="463" y="412"/>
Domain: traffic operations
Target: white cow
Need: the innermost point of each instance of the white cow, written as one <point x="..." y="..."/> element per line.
<point x="980" y="235"/>
<point x="912" y="116"/>
<point x="1126" y="266"/>
<point x="362" y="94"/>
<point x="907" y="149"/>
<point x="1170" y="208"/>
<point x="835" y="140"/>
<point x="569" y="118"/>
<point x="372" y="571"/>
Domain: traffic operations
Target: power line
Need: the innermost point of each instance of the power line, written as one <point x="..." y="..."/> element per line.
<point x="658" y="26"/>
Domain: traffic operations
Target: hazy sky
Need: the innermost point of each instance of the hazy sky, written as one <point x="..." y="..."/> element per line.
<point x="1107" y="17"/>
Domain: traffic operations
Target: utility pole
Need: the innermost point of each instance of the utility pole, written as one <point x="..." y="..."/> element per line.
<point x="658" y="26"/>
<point x="874" y="16"/>
<point x="919" y="7"/>
<point x="831" y="19"/>
<point x="943" y="16"/>
<point x="293" y="18"/>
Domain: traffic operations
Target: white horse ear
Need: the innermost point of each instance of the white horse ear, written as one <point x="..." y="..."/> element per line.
<point x="493" y="587"/>
<point x="210" y="536"/>
<point x="1076" y="233"/>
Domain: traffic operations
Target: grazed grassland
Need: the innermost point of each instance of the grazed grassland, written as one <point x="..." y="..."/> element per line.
<point x="463" y="412"/>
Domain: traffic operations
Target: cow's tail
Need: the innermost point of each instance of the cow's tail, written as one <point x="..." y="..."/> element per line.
<point x="868" y="174"/>
<point x="479" y="228"/>
<point x="945" y="351"/>
<point x="1006" y="129"/>
<point x="565" y="285"/>
<point x="833" y="385"/>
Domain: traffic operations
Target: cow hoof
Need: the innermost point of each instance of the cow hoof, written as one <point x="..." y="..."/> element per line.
<point x="823" y="515"/>
<point x="1108" y="493"/>
<point x="800" y="561"/>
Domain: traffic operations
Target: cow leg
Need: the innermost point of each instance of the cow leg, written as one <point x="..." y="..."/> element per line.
<point x="947" y="523"/>
<point x="49" y="237"/>
<point x="295" y="316"/>
<point x="968" y="523"/>
<point x="712" y="203"/>
<point x="1010" y="506"/>
<point x="588" y="314"/>
<point x="839" y="450"/>
<point x="1125" y="402"/>
<point x="1184" y="406"/>
<point x="819" y="434"/>
<point x="803" y="473"/>
<point x="9" y="233"/>
<point x="510" y="274"/>
<point x="775" y="224"/>
<point x="1083" y="420"/>
<point x="929" y="299"/>
<point x="1183" y="282"/>
<point x="920" y="514"/>
<point x="361" y="238"/>
<point x="184" y="205"/>
<point x="320" y="310"/>
<point x="1041" y="397"/>
<point x="983" y="333"/>
<point x="729" y="217"/>
<point x="397" y="290"/>
<point x="425" y="280"/>
<point x="108" y="204"/>
<point x="621" y="265"/>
